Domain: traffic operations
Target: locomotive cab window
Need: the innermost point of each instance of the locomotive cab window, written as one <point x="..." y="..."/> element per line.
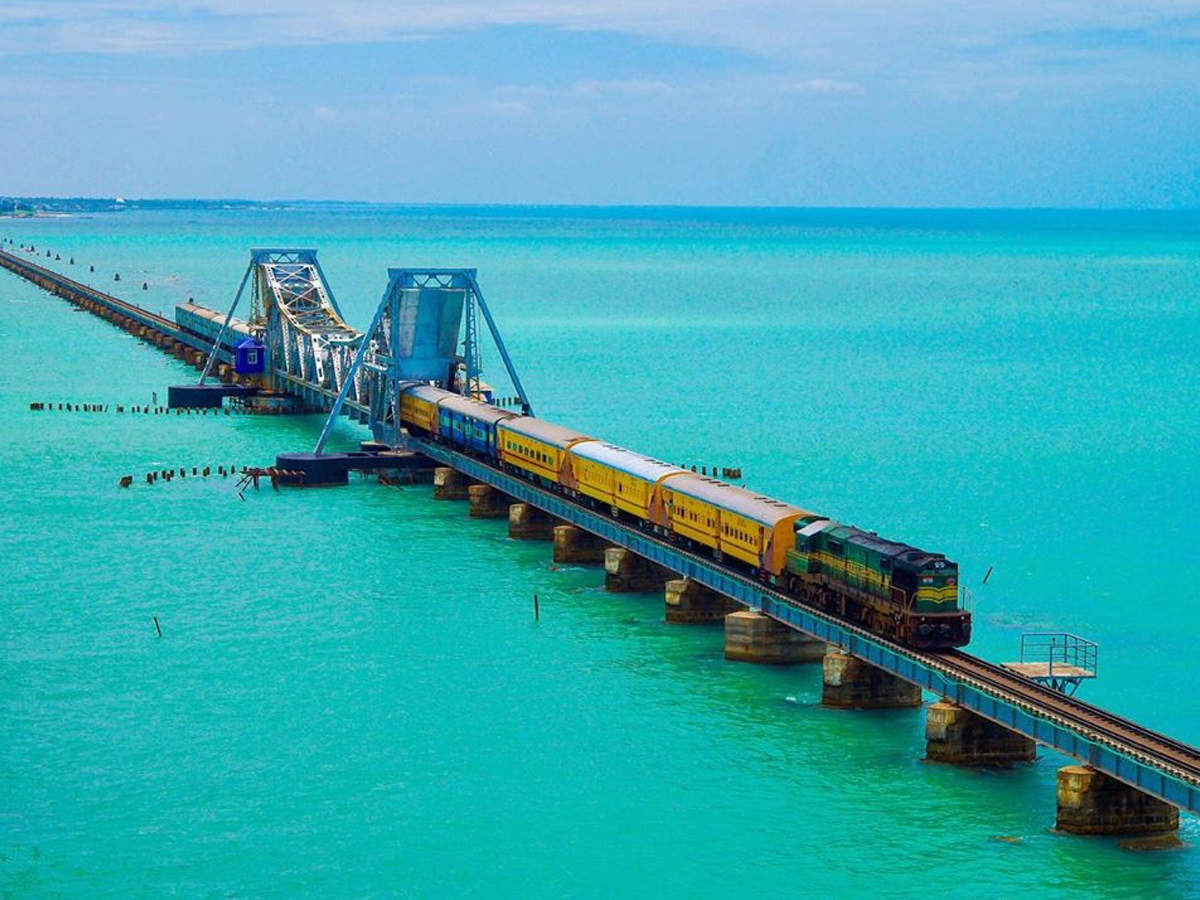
<point x="835" y="548"/>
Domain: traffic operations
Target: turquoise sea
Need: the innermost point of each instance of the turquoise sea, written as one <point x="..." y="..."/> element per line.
<point x="350" y="696"/>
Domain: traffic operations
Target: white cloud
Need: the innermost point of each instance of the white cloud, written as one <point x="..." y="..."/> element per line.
<point x="816" y="47"/>
<point x="634" y="87"/>
<point x="509" y="107"/>
<point x="806" y="30"/>
<point x="826" y="86"/>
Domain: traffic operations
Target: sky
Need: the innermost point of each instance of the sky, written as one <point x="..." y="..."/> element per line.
<point x="761" y="102"/>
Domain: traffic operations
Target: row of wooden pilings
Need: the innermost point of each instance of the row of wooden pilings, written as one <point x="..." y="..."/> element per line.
<point x="120" y="408"/>
<point x="1089" y="802"/>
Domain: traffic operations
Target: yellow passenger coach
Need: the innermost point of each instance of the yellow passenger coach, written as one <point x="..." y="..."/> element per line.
<point x="733" y="521"/>
<point x="419" y="406"/>
<point x="536" y="447"/>
<point x="621" y="479"/>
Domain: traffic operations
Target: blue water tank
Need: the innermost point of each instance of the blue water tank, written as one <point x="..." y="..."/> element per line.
<point x="249" y="357"/>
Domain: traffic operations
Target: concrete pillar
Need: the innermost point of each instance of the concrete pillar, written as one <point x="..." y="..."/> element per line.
<point x="574" y="545"/>
<point x="528" y="523"/>
<point x="850" y="683"/>
<point x="625" y="572"/>
<point x="752" y="636"/>
<point x="954" y="734"/>
<point x="450" y="484"/>
<point x="487" y="502"/>
<point x="1090" y="802"/>
<point x="689" y="602"/>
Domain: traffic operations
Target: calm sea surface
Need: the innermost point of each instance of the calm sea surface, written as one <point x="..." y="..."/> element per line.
<point x="350" y="696"/>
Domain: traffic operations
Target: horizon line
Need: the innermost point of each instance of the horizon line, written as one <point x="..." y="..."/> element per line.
<point x="9" y="198"/>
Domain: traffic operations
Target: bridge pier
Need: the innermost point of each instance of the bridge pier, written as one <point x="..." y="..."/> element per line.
<point x="689" y="602"/>
<point x="487" y="502"/>
<point x="627" y="573"/>
<point x="752" y="636"/>
<point x="850" y="683"/>
<point x="574" y="545"/>
<point x="450" y="484"/>
<point x="1090" y="802"/>
<point x="954" y="734"/>
<point x="528" y="523"/>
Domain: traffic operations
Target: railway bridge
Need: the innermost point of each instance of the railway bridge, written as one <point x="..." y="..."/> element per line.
<point x="1127" y="778"/>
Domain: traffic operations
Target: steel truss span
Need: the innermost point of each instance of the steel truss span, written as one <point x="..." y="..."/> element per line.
<point x="1151" y="762"/>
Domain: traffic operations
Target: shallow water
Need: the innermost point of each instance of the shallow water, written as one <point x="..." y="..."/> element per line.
<point x="350" y="696"/>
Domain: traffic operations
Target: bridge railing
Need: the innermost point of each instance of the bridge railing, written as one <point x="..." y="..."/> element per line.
<point x="1060" y="648"/>
<point x="927" y="671"/>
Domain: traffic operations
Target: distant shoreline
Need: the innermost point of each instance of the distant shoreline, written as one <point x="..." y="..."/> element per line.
<point x="27" y="207"/>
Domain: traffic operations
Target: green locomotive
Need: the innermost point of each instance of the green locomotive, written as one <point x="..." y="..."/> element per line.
<point x="893" y="589"/>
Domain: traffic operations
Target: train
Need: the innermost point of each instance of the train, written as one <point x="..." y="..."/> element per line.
<point x="893" y="589"/>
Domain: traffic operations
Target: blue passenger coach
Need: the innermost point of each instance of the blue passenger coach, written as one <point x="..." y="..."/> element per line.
<point x="470" y="424"/>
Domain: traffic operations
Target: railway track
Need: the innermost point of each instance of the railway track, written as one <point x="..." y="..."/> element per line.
<point x="1165" y="753"/>
<point x="23" y="267"/>
<point x="1108" y="727"/>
